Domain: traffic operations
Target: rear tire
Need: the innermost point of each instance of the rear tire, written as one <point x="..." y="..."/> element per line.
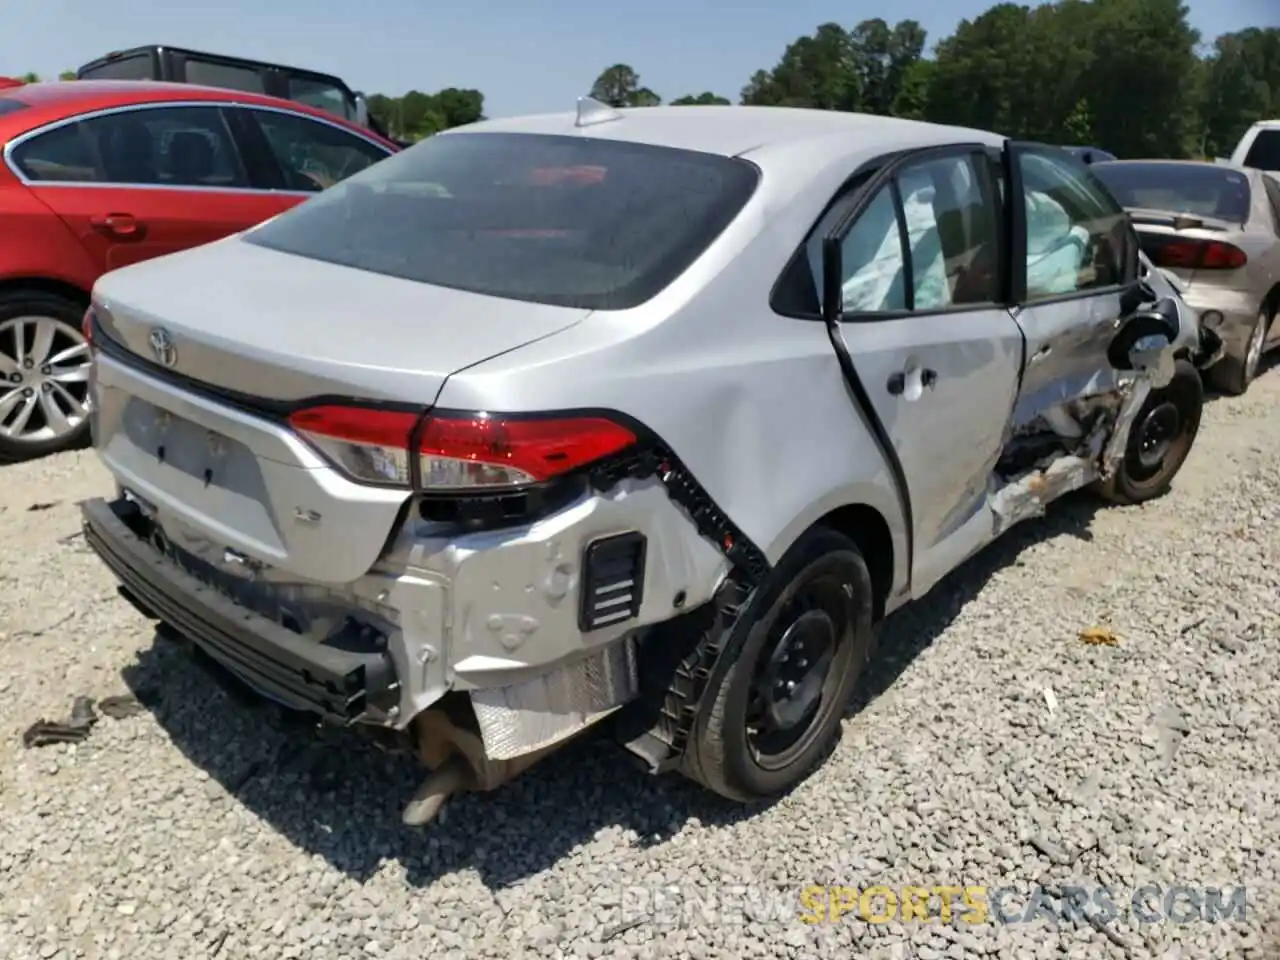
<point x="1159" y="440"/>
<point x="814" y="607"/>
<point x="35" y="322"/>
<point x="1233" y="375"/>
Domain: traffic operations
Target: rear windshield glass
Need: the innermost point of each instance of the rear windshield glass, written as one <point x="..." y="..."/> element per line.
<point x="569" y="221"/>
<point x="10" y="106"/>
<point x="1207" y="191"/>
<point x="1264" y="153"/>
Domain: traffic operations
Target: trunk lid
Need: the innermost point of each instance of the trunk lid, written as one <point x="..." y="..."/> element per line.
<point x="281" y="327"/>
<point x="240" y="489"/>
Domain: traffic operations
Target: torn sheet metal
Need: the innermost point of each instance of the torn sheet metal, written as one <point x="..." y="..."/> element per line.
<point x="533" y="714"/>
<point x="1135" y="393"/>
<point x="1029" y="495"/>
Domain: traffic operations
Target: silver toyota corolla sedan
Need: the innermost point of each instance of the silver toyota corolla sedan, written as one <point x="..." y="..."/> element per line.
<point x="1216" y="227"/>
<point x="651" y="414"/>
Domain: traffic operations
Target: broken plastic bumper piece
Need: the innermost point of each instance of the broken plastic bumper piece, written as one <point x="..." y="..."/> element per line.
<point x="347" y="678"/>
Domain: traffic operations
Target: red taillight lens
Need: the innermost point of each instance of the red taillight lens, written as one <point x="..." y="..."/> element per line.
<point x="1222" y="256"/>
<point x="459" y="451"/>
<point x="1197" y="255"/>
<point x="467" y="451"/>
<point x="86" y="326"/>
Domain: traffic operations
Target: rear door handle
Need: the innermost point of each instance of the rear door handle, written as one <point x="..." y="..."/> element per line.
<point x="121" y="225"/>
<point x="897" y="384"/>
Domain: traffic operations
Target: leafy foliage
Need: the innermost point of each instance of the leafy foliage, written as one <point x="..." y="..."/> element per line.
<point x="416" y="115"/>
<point x="1124" y="75"/>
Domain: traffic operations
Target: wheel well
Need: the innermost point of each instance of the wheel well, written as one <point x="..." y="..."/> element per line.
<point x="1272" y="300"/>
<point x="58" y="288"/>
<point x="865" y="527"/>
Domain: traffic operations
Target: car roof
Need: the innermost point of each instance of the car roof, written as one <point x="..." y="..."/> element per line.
<point x="734" y="131"/>
<point x="52" y="101"/>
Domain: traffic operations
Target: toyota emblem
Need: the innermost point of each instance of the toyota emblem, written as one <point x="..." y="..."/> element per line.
<point x="162" y="347"/>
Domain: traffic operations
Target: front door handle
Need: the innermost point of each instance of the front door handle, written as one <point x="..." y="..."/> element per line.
<point x="122" y="226"/>
<point x="897" y="384"/>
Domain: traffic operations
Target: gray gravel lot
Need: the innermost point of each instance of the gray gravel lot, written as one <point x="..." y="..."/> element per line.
<point x="208" y="826"/>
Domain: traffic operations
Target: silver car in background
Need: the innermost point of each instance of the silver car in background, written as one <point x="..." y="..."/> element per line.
<point x="1216" y="227"/>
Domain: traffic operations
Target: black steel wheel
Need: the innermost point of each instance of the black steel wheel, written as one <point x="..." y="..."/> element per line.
<point x="772" y="708"/>
<point x="1160" y="439"/>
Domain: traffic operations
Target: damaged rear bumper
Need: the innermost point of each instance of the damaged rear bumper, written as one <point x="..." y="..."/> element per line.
<point x="346" y="679"/>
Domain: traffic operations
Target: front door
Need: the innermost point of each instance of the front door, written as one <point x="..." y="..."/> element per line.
<point x="1071" y="282"/>
<point x="934" y="347"/>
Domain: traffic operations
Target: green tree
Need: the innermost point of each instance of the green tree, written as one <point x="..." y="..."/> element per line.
<point x="706" y="98"/>
<point x="67" y="75"/>
<point x="619" y="86"/>
<point x="416" y="114"/>
<point x="816" y="72"/>
<point x="30" y="78"/>
<point x="912" y="98"/>
<point x="1137" y="85"/>
<point x="1079" y="126"/>
<point x="1240" y="83"/>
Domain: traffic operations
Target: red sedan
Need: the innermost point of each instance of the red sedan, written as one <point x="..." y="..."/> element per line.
<point x="99" y="174"/>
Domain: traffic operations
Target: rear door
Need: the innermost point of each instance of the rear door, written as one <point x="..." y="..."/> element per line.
<point x="934" y="346"/>
<point x="144" y="181"/>
<point x="1075" y="260"/>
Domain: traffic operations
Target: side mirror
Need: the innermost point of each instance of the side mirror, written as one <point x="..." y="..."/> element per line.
<point x="1144" y="339"/>
<point x="362" y="110"/>
<point x="832" y="289"/>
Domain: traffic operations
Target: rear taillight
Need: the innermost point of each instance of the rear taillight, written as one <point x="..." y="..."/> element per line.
<point x="1184" y="254"/>
<point x="458" y="451"/>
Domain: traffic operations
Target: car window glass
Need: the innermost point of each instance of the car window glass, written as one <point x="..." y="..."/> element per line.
<point x="323" y="96"/>
<point x="951" y="233"/>
<point x="951" y="228"/>
<point x="1200" y="189"/>
<point x="1075" y="229"/>
<point x="223" y="75"/>
<point x="585" y="222"/>
<point x="871" y="259"/>
<point x="137" y="67"/>
<point x="313" y="156"/>
<point x="1264" y="152"/>
<point x="61" y="155"/>
<point x="167" y="146"/>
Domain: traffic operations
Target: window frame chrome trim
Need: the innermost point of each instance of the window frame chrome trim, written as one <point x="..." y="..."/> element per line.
<point x="53" y="125"/>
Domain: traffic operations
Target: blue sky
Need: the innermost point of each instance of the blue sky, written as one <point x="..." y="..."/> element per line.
<point x="526" y="56"/>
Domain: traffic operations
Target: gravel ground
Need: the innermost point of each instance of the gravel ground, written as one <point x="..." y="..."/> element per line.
<point x="207" y="826"/>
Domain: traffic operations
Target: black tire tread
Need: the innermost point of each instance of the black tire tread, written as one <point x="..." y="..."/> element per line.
<point x="13" y="302"/>
<point x="707" y="759"/>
